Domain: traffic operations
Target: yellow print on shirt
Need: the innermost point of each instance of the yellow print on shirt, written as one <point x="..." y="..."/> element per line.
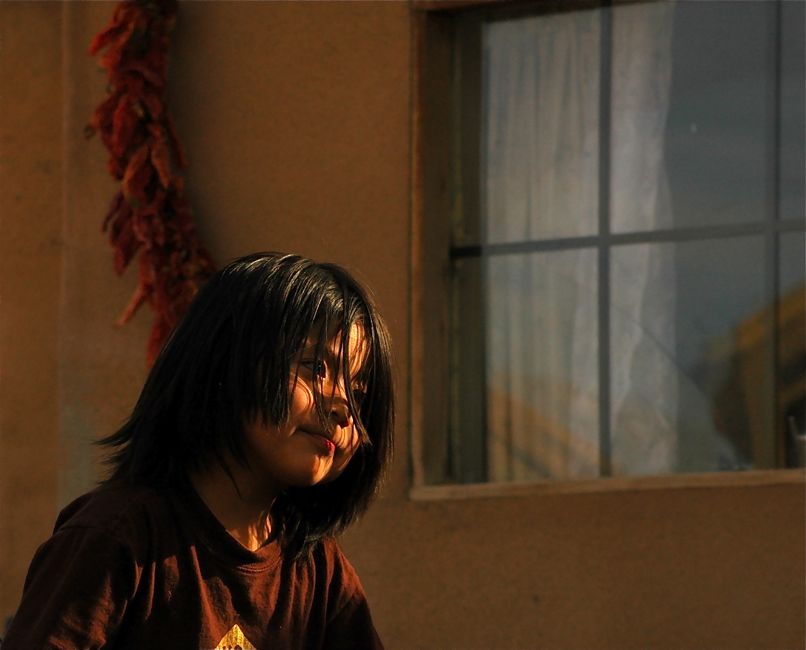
<point x="234" y="640"/>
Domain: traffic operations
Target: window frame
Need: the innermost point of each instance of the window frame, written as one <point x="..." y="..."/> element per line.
<point x="434" y="130"/>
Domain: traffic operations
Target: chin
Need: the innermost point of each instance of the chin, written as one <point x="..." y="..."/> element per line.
<point x="309" y="479"/>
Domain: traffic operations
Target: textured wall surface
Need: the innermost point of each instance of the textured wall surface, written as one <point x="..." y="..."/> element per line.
<point x="31" y="180"/>
<point x="297" y="121"/>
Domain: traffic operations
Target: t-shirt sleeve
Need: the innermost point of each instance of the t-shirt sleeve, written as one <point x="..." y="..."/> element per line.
<point x="350" y="622"/>
<point x="76" y="592"/>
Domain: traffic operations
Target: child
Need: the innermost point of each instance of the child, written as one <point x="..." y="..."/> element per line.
<point x="261" y="433"/>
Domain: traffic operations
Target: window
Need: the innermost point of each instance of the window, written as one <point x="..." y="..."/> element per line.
<point x="612" y="247"/>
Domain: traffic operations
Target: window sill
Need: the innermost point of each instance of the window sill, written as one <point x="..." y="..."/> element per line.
<point x="611" y="484"/>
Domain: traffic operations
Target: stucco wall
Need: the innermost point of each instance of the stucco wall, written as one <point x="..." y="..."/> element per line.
<point x="30" y="263"/>
<point x="296" y="118"/>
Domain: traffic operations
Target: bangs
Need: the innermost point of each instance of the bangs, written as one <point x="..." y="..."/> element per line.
<point x="316" y="303"/>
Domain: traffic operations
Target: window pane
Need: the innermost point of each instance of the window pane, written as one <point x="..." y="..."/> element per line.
<point x="540" y="127"/>
<point x="791" y="372"/>
<point x="541" y="382"/>
<point x="793" y="262"/>
<point x="706" y="363"/>
<point x="689" y="351"/>
<point x="793" y="139"/>
<point x="693" y="113"/>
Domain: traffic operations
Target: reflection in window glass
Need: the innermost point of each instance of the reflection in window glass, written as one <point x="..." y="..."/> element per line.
<point x="793" y="138"/>
<point x="705" y="113"/>
<point x="792" y="273"/>
<point x="676" y="316"/>
<point x="791" y="374"/>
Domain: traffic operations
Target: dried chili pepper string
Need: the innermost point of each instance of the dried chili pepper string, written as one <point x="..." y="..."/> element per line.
<point x="149" y="215"/>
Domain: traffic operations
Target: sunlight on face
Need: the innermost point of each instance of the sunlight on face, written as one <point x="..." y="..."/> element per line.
<point x="304" y="450"/>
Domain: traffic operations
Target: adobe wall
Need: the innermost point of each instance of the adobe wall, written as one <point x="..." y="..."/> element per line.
<point x="296" y="118"/>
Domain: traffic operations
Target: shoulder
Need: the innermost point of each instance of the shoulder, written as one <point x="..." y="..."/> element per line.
<point x="82" y="578"/>
<point x="343" y="582"/>
<point x="328" y="553"/>
<point x="328" y="547"/>
<point x="105" y="535"/>
<point x="121" y="512"/>
<point x="348" y="619"/>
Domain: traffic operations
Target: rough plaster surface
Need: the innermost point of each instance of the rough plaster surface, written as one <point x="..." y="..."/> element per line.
<point x="30" y="257"/>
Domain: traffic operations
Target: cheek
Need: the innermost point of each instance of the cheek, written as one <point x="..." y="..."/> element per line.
<point x="301" y="398"/>
<point x="344" y="457"/>
<point x="348" y="442"/>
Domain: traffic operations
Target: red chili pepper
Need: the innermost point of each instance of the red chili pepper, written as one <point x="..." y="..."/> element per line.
<point x="149" y="216"/>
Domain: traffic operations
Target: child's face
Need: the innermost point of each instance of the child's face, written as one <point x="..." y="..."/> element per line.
<point x="300" y="451"/>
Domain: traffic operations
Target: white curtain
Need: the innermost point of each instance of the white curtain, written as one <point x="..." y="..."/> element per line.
<point x="540" y="160"/>
<point x="644" y="377"/>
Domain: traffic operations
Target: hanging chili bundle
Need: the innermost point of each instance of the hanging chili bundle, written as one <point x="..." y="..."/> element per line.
<point x="149" y="215"/>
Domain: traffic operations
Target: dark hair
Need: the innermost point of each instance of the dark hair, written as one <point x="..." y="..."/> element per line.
<point x="229" y="361"/>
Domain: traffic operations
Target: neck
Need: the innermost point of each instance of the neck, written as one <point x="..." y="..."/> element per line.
<point x="243" y="511"/>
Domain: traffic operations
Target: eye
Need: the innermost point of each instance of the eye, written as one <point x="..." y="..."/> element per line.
<point x="317" y="367"/>
<point x="359" y="395"/>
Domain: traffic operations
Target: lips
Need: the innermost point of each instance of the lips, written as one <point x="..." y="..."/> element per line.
<point x="322" y="440"/>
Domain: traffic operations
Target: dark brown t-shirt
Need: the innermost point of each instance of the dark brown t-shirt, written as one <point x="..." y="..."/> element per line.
<point x="136" y="567"/>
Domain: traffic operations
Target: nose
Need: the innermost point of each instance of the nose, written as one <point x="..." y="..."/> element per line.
<point x="340" y="413"/>
<point x="337" y="407"/>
